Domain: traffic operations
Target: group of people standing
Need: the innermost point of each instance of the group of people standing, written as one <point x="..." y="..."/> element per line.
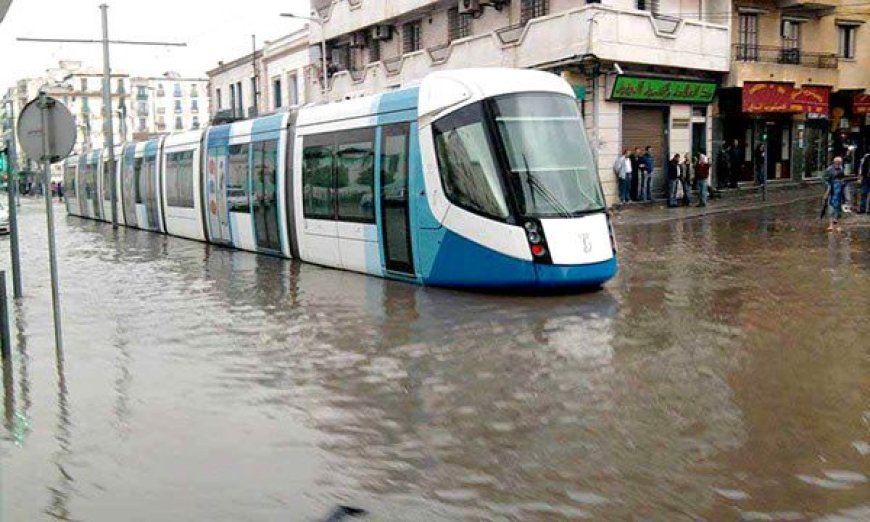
<point x="634" y="171"/>
<point x="838" y="196"/>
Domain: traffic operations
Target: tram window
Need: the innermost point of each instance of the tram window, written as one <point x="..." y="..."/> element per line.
<point x="137" y="181"/>
<point x="468" y="168"/>
<point x="318" y="193"/>
<point x="237" y="183"/>
<point x="179" y="179"/>
<point x="354" y="175"/>
<point x="69" y="181"/>
<point x="107" y="181"/>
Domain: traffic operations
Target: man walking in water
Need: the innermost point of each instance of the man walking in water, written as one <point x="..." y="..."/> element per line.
<point x="649" y="163"/>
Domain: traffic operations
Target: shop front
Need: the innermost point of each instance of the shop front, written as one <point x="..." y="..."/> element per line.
<point x="667" y="114"/>
<point x="780" y="131"/>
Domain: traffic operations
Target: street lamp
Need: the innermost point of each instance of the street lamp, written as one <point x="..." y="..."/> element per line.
<point x="318" y="21"/>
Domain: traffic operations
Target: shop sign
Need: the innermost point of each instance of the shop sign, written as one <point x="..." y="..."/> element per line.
<point x="861" y="104"/>
<point x="636" y="88"/>
<point x="782" y="97"/>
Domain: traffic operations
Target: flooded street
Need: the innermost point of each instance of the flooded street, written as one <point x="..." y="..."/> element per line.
<point x="724" y="374"/>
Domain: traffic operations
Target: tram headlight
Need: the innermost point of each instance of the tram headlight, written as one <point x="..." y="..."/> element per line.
<point x="531" y="226"/>
<point x="535" y="238"/>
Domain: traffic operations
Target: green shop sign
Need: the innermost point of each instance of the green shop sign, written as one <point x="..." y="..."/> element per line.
<point x="636" y="88"/>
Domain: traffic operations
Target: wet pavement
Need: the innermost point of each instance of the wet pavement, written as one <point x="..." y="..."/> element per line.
<point x="723" y="375"/>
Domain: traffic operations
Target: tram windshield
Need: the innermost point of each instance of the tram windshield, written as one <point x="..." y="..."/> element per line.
<point x="541" y="141"/>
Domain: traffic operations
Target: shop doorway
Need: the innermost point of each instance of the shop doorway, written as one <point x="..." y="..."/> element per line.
<point x="642" y="126"/>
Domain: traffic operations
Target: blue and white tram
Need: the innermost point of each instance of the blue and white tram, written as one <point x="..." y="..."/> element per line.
<point x="476" y="178"/>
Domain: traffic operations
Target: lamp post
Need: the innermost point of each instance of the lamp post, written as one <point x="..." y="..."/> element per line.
<point x="318" y="21"/>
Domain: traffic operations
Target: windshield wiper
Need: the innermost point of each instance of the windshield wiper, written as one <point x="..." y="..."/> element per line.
<point x="554" y="202"/>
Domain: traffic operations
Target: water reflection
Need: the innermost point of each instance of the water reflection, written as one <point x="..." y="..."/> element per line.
<point x="716" y="378"/>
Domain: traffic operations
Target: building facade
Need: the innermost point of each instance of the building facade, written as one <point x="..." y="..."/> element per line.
<point x="165" y="104"/>
<point x="267" y="80"/>
<point x="234" y="88"/>
<point x="645" y="72"/>
<point x="798" y="86"/>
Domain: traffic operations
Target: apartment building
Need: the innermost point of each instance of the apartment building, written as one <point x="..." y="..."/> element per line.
<point x="645" y="72"/>
<point x="266" y="80"/>
<point x="168" y="103"/>
<point x="798" y="84"/>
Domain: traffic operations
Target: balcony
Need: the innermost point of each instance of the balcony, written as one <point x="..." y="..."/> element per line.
<point x="780" y="64"/>
<point x="346" y="17"/>
<point x="619" y="35"/>
<point x="785" y="56"/>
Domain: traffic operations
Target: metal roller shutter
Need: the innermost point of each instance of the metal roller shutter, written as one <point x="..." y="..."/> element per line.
<point x="642" y="126"/>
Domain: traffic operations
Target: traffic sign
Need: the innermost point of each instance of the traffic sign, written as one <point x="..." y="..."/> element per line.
<point x="61" y="129"/>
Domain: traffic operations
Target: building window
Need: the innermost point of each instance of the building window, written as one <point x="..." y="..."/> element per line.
<point x="121" y="89"/>
<point x="240" y="100"/>
<point x="292" y="90"/>
<point x="143" y="125"/>
<point x="194" y="91"/>
<point x="160" y="91"/>
<point x="195" y="124"/>
<point x="179" y="123"/>
<point x="84" y="84"/>
<point x="458" y="26"/>
<point x="142" y="107"/>
<point x="194" y="105"/>
<point x="374" y="51"/>
<point x="533" y="9"/>
<point x="141" y="93"/>
<point x="411" y="37"/>
<point x="747" y="37"/>
<point x="791" y="42"/>
<point x="178" y="108"/>
<point x="276" y="93"/>
<point x="846" y="34"/>
<point x="218" y="98"/>
<point x="176" y="91"/>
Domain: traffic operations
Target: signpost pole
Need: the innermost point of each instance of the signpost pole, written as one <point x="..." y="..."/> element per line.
<point x="45" y="105"/>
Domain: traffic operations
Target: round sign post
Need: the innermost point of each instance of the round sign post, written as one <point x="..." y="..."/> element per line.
<point x="47" y="130"/>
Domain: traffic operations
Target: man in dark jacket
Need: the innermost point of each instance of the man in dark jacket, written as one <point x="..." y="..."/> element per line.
<point x="635" y="174"/>
<point x="649" y="164"/>
<point x="735" y="160"/>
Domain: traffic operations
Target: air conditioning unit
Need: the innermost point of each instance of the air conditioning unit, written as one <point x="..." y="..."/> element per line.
<point x="470" y="7"/>
<point x="358" y="39"/>
<point x="382" y="32"/>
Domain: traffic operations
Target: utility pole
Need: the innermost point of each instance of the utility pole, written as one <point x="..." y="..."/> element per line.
<point x="108" y="131"/>
<point x="107" y="90"/>
<point x="256" y="86"/>
<point x="11" y="187"/>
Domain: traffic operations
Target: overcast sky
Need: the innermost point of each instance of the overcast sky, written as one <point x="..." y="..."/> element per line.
<point x="213" y="30"/>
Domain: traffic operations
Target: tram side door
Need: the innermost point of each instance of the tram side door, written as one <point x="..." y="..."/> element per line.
<point x="395" y="201"/>
<point x="216" y="199"/>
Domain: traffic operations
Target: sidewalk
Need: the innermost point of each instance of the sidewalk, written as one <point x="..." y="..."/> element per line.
<point x="735" y="200"/>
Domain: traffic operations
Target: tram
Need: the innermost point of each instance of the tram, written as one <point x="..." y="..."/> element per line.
<point x="475" y="178"/>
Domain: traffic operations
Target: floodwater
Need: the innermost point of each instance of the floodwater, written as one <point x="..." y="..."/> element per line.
<point x="723" y="375"/>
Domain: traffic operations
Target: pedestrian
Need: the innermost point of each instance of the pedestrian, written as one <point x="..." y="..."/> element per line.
<point x="758" y="162"/>
<point x="685" y="179"/>
<point x="622" y="169"/>
<point x="702" y="174"/>
<point x="834" y="170"/>
<point x="864" y="172"/>
<point x="635" y="174"/>
<point x="836" y="196"/>
<point x="60" y="192"/>
<point x="53" y="188"/>
<point x="649" y="163"/>
<point x="673" y="180"/>
<point x="735" y="163"/>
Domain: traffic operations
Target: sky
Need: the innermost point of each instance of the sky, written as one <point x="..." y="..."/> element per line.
<point x="213" y="30"/>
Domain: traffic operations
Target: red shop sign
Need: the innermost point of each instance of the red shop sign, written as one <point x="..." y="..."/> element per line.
<point x="861" y="104"/>
<point x="782" y="97"/>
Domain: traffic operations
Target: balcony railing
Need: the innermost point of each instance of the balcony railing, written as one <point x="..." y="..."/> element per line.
<point x="783" y="55"/>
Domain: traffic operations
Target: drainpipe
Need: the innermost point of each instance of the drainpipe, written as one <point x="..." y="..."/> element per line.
<point x="596" y="100"/>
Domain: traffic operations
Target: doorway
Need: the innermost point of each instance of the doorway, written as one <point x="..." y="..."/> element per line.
<point x="395" y="207"/>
